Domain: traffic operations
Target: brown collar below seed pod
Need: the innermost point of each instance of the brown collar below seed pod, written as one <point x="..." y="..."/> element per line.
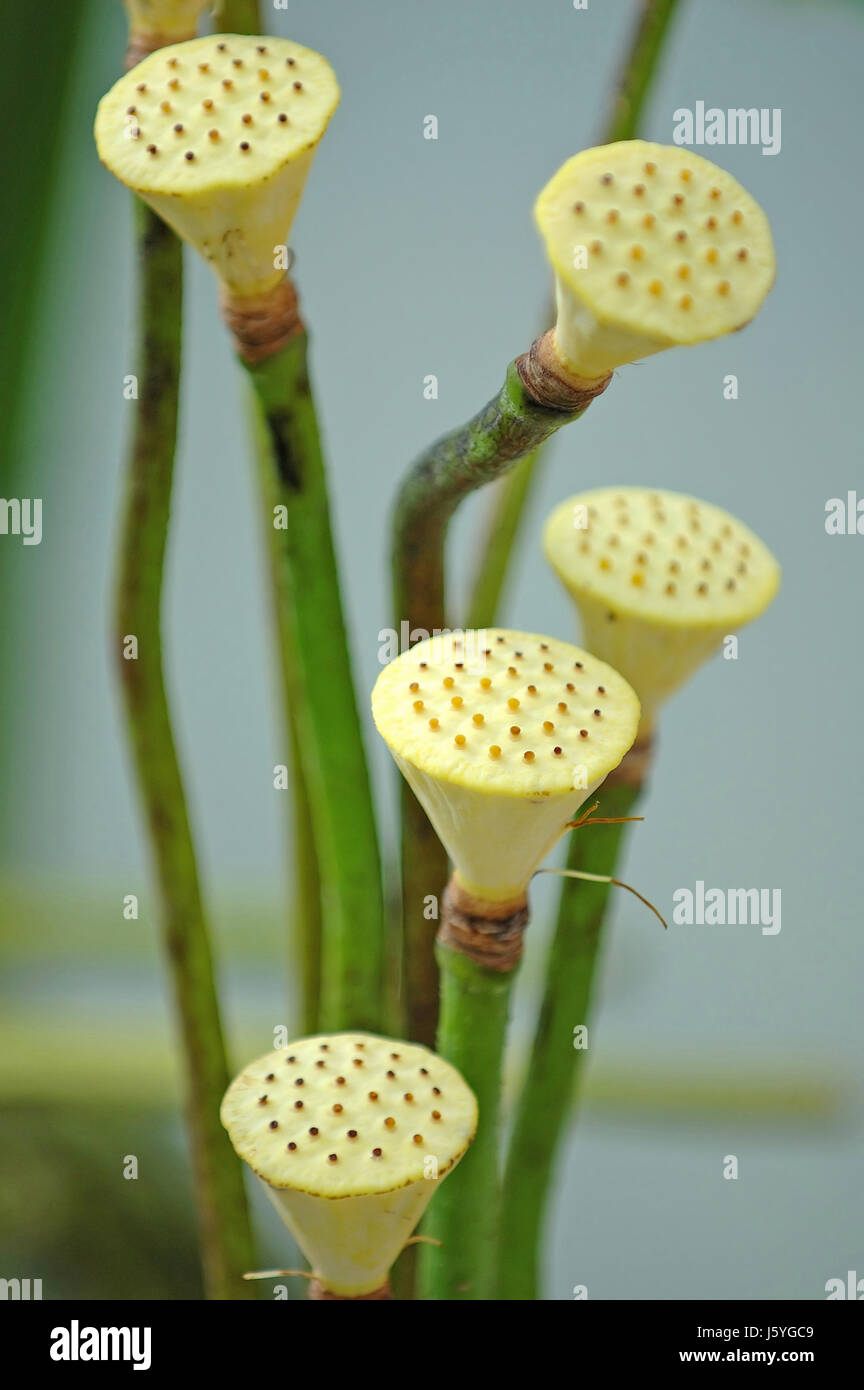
<point x="262" y="325"/>
<point x="549" y="382"/>
<point x="489" y="934"/>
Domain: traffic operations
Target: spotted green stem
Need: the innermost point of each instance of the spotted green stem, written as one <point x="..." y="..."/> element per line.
<point x="226" y="1243"/>
<point x="319" y="687"/>
<point x="509" y="427"/>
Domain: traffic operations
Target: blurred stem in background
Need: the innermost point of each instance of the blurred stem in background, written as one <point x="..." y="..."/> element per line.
<point x="226" y="1242"/>
<point x="244" y="17"/>
<point x="512" y="495"/>
<point x="25" y="228"/>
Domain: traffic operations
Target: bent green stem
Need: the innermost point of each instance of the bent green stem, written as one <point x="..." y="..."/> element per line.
<point x="510" y="426"/>
<point x="226" y="1242"/>
<point x="464" y="1216"/>
<point x="545" y="1106"/>
<point x="316" y="671"/>
<point x="512" y="495"/>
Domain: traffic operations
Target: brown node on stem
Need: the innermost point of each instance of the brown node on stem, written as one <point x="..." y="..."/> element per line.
<point x="549" y="382"/>
<point x="261" y="325"/>
<point x="489" y="934"/>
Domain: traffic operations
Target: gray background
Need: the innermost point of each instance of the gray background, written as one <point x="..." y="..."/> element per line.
<point x="417" y="257"/>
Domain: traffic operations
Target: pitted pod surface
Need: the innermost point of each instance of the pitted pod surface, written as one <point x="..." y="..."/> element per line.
<point x="218" y="112"/>
<point x="676" y="248"/>
<point x="662" y="557"/>
<point x="349" y="1115"/>
<point x="505" y="712"/>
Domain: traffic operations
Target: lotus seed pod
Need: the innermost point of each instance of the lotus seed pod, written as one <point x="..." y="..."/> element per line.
<point x="652" y="247"/>
<point x="218" y="136"/>
<point x="168" y="20"/>
<point x="659" y="579"/>
<point x="350" y="1135"/>
<point x="502" y="735"/>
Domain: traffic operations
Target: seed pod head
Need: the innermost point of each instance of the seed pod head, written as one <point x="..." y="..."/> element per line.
<point x="350" y="1135"/>
<point x="502" y="735"/>
<point x="218" y="136"/>
<point x="652" y="247"/>
<point x="168" y="20"/>
<point x="659" y="579"/>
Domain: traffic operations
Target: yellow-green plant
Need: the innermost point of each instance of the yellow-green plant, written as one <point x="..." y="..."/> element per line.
<point x="218" y="135"/>
<point x="351" y="1136"/>
<point x="502" y="736"/>
<point x="651" y="247"/>
<point x="659" y="579"/>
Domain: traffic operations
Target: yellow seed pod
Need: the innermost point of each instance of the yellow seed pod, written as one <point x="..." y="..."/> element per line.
<point x="502" y="735"/>
<point x="652" y="247"/>
<point x="218" y="136"/>
<point x="350" y="1135"/>
<point x="659" y="579"/>
<point x="168" y="20"/>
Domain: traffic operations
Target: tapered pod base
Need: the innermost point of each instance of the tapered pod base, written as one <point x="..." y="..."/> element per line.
<point x="318" y="1292"/>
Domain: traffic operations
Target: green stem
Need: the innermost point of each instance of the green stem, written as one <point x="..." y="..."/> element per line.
<point x="509" y="427"/>
<point x="316" y="671"/>
<point x="638" y="70"/>
<point x="244" y="17"/>
<point x="464" y="1213"/>
<point x="225" y="1234"/>
<point x="508" y="507"/>
<point x="425" y="871"/>
<point x="306" y="912"/>
<point x="545" y="1107"/>
<point x="238" y="17"/>
<point x="512" y="495"/>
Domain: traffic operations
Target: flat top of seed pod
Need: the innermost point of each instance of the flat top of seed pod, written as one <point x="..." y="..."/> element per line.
<point x="674" y="247"/>
<point x="218" y="112"/>
<point x="508" y="713"/>
<point x="663" y="557"/>
<point x="349" y="1114"/>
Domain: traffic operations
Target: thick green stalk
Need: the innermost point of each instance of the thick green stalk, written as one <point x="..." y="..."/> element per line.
<point x="225" y="1234"/>
<point x="511" y="496"/>
<point x="316" y="670"/>
<point x="509" y="427"/>
<point x="244" y="17"/>
<point x="545" y="1107"/>
<point x="464" y="1213"/>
